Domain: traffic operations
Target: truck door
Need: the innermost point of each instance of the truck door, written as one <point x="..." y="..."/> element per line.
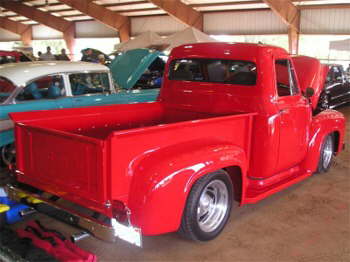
<point x="294" y="116"/>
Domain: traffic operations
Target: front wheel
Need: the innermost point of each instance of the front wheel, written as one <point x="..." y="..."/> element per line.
<point x="208" y="207"/>
<point x="326" y="154"/>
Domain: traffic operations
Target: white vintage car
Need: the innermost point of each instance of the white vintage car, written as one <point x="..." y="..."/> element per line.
<point x="55" y="84"/>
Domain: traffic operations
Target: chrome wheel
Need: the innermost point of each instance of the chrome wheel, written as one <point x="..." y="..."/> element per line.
<point x="324" y="101"/>
<point x="213" y="205"/>
<point x="8" y="154"/>
<point x="327" y="152"/>
<point x="208" y="207"/>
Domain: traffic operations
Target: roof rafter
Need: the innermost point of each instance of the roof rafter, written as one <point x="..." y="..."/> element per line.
<point x="35" y="14"/>
<point x="103" y="15"/>
<point x="289" y="14"/>
<point x="252" y="2"/>
<point x="25" y="31"/>
<point x="324" y="6"/>
<point x="286" y="10"/>
<point x="181" y="12"/>
<point x="45" y="18"/>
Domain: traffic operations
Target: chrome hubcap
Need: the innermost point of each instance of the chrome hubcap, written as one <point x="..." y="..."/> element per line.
<point x="212" y="206"/>
<point x="327" y="152"/>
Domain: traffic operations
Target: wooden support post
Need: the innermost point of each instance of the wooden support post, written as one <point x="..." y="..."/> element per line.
<point x="69" y="38"/>
<point x="104" y="15"/>
<point x="25" y="31"/>
<point x="45" y="18"/>
<point x="27" y="37"/>
<point x="290" y="15"/>
<point x="293" y="40"/>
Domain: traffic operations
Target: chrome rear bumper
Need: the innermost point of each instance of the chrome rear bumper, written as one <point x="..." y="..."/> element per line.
<point x="108" y="230"/>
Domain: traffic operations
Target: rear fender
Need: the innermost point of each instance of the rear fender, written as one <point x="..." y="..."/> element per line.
<point x="161" y="181"/>
<point x="327" y="122"/>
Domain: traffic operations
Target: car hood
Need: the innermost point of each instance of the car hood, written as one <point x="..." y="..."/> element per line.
<point x="128" y="67"/>
<point x="310" y="73"/>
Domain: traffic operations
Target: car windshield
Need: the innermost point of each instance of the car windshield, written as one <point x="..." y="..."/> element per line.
<point x="6" y="89"/>
<point x="214" y="70"/>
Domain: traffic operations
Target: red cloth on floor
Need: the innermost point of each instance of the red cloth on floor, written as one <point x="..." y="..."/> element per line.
<point x="54" y="243"/>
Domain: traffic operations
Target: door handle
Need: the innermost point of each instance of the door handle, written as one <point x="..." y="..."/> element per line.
<point x="282" y="111"/>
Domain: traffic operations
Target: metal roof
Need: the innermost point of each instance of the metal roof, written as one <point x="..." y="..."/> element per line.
<point x="135" y="8"/>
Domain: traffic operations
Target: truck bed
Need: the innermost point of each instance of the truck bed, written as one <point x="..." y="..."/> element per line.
<point x="85" y="155"/>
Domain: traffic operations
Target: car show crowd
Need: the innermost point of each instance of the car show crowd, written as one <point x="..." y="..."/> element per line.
<point x="88" y="55"/>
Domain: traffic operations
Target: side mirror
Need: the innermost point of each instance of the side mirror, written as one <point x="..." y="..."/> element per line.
<point x="309" y="92"/>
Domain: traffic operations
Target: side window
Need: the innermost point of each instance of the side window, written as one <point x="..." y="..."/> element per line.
<point x="48" y="87"/>
<point x="285" y="78"/>
<point x="89" y="83"/>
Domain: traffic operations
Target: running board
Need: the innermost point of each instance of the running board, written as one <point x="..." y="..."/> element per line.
<point x="273" y="190"/>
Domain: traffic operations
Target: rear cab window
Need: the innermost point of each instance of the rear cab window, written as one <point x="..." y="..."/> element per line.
<point x="214" y="71"/>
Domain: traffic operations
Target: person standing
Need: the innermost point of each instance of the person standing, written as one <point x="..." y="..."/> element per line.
<point x="88" y="56"/>
<point x="63" y="56"/>
<point x="101" y="59"/>
<point x="48" y="56"/>
<point x="39" y="55"/>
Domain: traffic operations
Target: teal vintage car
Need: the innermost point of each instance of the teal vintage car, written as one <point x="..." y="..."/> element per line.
<point x="60" y="84"/>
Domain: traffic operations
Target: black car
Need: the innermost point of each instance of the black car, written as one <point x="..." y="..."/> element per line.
<point x="337" y="88"/>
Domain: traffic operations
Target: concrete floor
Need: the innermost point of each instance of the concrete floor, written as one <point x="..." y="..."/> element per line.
<point x="309" y="222"/>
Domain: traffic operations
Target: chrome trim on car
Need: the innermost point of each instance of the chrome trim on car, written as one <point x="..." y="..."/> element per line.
<point x="341" y="95"/>
<point x="338" y="104"/>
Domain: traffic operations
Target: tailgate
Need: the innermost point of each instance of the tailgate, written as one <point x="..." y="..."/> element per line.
<point x="64" y="164"/>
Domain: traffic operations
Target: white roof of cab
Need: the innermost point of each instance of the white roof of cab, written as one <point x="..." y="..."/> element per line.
<point x="21" y="73"/>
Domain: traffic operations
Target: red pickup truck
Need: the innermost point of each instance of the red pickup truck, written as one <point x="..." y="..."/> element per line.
<point x="231" y="123"/>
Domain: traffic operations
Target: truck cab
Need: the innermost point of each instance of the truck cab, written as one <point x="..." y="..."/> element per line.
<point x="263" y="81"/>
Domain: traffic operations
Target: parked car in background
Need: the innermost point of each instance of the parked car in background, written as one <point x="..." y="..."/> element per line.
<point x="336" y="89"/>
<point x="93" y="55"/>
<point x="53" y="85"/>
<point x="146" y="65"/>
<point x="13" y="57"/>
<point x="330" y="84"/>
